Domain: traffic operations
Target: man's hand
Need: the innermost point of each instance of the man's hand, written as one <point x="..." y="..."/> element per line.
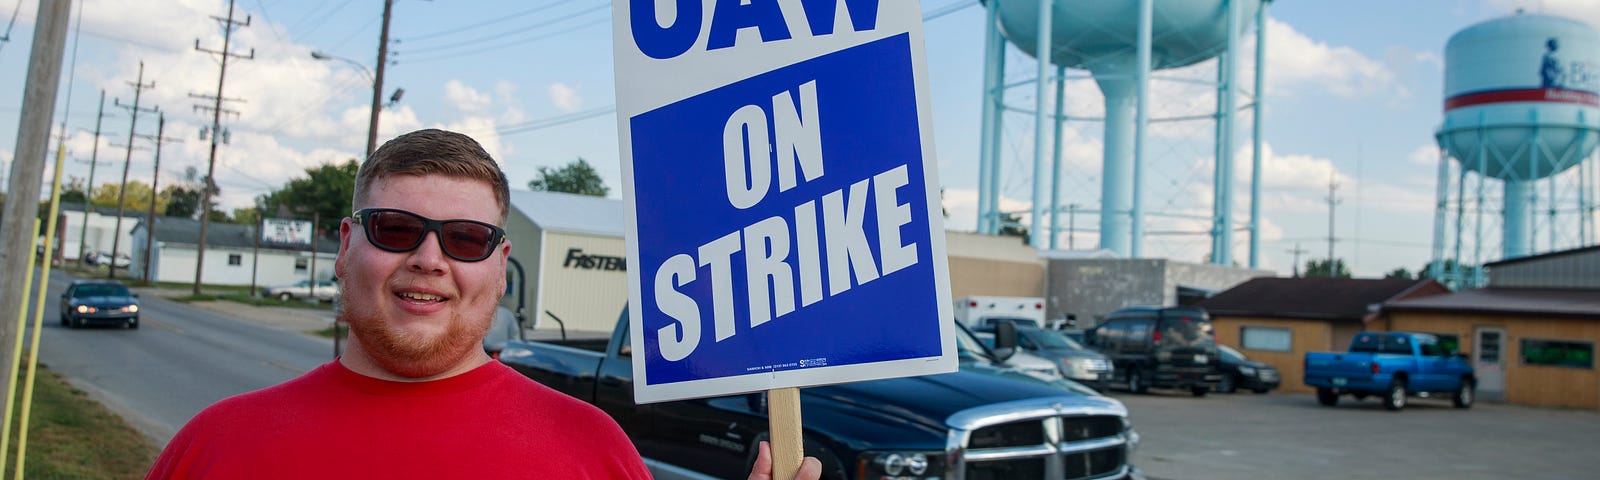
<point x="810" y="468"/>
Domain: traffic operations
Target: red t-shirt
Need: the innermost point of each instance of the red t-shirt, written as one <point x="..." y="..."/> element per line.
<point x="490" y="422"/>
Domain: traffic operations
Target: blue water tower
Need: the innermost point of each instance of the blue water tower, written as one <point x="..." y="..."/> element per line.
<point x="1521" y="108"/>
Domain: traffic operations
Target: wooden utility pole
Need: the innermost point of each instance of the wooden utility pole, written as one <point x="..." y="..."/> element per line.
<point x="88" y="194"/>
<point x="216" y="130"/>
<point x="155" y="193"/>
<point x="27" y="167"/>
<point x="377" y="79"/>
<point x="122" y="192"/>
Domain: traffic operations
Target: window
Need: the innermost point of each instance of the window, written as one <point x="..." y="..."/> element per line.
<point x="1558" y="353"/>
<point x="235" y="259"/>
<point x="1266" y="338"/>
<point x="299" y="265"/>
<point x="1400" y="344"/>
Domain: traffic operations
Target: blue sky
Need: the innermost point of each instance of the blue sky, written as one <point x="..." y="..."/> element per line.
<point x="1354" y="92"/>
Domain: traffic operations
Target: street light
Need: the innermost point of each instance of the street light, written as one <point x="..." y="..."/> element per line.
<point x="377" y="94"/>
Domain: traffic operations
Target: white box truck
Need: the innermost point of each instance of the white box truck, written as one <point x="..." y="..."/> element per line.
<point x="982" y="309"/>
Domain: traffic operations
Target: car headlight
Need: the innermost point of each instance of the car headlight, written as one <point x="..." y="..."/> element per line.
<point x="900" y="465"/>
<point x="1247" y="371"/>
<point x="131" y="309"/>
<point x="84" y="309"/>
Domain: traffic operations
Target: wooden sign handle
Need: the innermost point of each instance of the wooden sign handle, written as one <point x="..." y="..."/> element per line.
<point x="783" y="419"/>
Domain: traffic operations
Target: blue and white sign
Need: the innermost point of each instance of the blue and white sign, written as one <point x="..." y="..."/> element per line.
<point x="784" y="226"/>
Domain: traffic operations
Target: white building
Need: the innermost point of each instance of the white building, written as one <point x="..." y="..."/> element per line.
<point x="232" y="257"/>
<point x="570" y="247"/>
<point x="102" y="222"/>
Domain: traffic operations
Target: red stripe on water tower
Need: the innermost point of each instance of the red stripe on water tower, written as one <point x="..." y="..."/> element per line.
<point x="1551" y="95"/>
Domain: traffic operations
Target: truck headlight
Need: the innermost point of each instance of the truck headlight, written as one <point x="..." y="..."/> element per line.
<point x="900" y="465"/>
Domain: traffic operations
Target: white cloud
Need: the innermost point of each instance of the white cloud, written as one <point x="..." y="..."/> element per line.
<point x="466" y="99"/>
<point x="506" y="94"/>
<point x="1299" y="62"/>
<point x="565" y="97"/>
<point x="1426" y="155"/>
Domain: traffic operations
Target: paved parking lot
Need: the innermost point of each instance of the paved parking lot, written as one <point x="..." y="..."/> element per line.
<point x="1288" y="435"/>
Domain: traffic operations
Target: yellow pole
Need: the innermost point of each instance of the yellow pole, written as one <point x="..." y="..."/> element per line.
<point x="38" y="313"/>
<point x="16" y="356"/>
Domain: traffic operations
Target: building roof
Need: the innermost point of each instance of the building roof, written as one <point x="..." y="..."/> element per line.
<point x="184" y="231"/>
<point x="1543" y="256"/>
<point x="570" y="213"/>
<point x="1342" y="299"/>
<point x="1535" y="301"/>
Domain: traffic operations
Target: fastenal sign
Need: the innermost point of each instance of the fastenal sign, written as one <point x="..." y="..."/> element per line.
<point x="783" y="222"/>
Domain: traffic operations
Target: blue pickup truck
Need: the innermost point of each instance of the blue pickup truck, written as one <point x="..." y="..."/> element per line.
<point x="1393" y="366"/>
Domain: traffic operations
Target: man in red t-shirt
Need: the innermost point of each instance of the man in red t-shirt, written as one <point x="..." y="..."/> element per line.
<point x="422" y="266"/>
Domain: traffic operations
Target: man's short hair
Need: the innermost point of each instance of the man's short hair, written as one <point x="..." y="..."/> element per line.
<point x="433" y="152"/>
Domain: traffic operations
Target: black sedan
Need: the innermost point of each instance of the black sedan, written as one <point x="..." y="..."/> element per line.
<point x="101" y="302"/>
<point x="1239" y="372"/>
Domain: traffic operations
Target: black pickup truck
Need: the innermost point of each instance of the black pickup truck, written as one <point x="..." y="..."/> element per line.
<point x="984" y="422"/>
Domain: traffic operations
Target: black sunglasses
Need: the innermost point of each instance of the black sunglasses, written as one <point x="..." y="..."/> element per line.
<point x="401" y="231"/>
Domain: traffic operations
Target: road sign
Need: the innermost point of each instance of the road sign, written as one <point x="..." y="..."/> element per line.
<point x="783" y="203"/>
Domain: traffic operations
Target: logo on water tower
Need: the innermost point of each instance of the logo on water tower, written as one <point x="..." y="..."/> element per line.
<point x="1550" y="71"/>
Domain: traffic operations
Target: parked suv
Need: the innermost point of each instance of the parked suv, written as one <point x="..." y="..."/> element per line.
<point x="1162" y="347"/>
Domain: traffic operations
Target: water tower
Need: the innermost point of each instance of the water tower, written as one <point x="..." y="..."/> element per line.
<point x="1520" y="110"/>
<point x="1119" y="43"/>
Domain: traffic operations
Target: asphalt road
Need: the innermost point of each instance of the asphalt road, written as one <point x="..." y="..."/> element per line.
<point x="1288" y="435"/>
<point x="179" y="361"/>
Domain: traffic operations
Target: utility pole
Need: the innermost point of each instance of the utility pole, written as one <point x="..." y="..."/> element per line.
<point x="27" y="167"/>
<point x="216" y="124"/>
<point x="122" y="193"/>
<point x="88" y="196"/>
<point x="155" y="193"/>
<point x="1333" y="201"/>
<point x="1297" y="251"/>
<point x="377" y="80"/>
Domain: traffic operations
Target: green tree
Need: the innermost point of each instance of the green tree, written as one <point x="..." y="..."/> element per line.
<point x="245" y="215"/>
<point x="137" y="199"/>
<point x="182" y="201"/>
<point x="1399" y="272"/>
<point x="576" y="177"/>
<point x="74" y="191"/>
<point x="1325" y="268"/>
<point x="325" y="191"/>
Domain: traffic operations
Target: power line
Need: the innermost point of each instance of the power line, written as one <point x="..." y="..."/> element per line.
<point x="488" y="22"/>
<point x="475" y="41"/>
<point x="556" y="120"/>
<point x="959" y="5"/>
<point x="516" y="43"/>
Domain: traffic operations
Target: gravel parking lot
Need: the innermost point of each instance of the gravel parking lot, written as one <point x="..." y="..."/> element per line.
<point x="1288" y="435"/>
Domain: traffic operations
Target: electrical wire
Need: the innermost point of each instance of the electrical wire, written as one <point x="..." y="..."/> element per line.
<point x="515" y="43"/>
<point x="10" y="24"/>
<point x="544" y="123"/>
<point x="488" y="22"/>
<point x="959" y="5"/>
<point x="475" y="41"/>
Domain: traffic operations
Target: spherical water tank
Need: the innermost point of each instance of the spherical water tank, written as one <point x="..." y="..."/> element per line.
<point x="1093" y="34"/>
<point x="1520" y="96"/>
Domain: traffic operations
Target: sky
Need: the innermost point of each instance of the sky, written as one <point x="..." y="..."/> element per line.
<point x="1354" y="94"/>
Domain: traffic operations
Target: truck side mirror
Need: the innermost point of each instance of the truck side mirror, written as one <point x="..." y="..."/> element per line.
<point x="1005" y="340"/>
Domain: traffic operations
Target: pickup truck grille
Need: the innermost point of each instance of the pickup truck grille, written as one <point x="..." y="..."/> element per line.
<point x="1076" y="440"/>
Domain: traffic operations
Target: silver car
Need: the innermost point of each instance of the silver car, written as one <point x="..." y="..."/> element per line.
<point x="326" y="290"/>
<point x="1076" y="362"/>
